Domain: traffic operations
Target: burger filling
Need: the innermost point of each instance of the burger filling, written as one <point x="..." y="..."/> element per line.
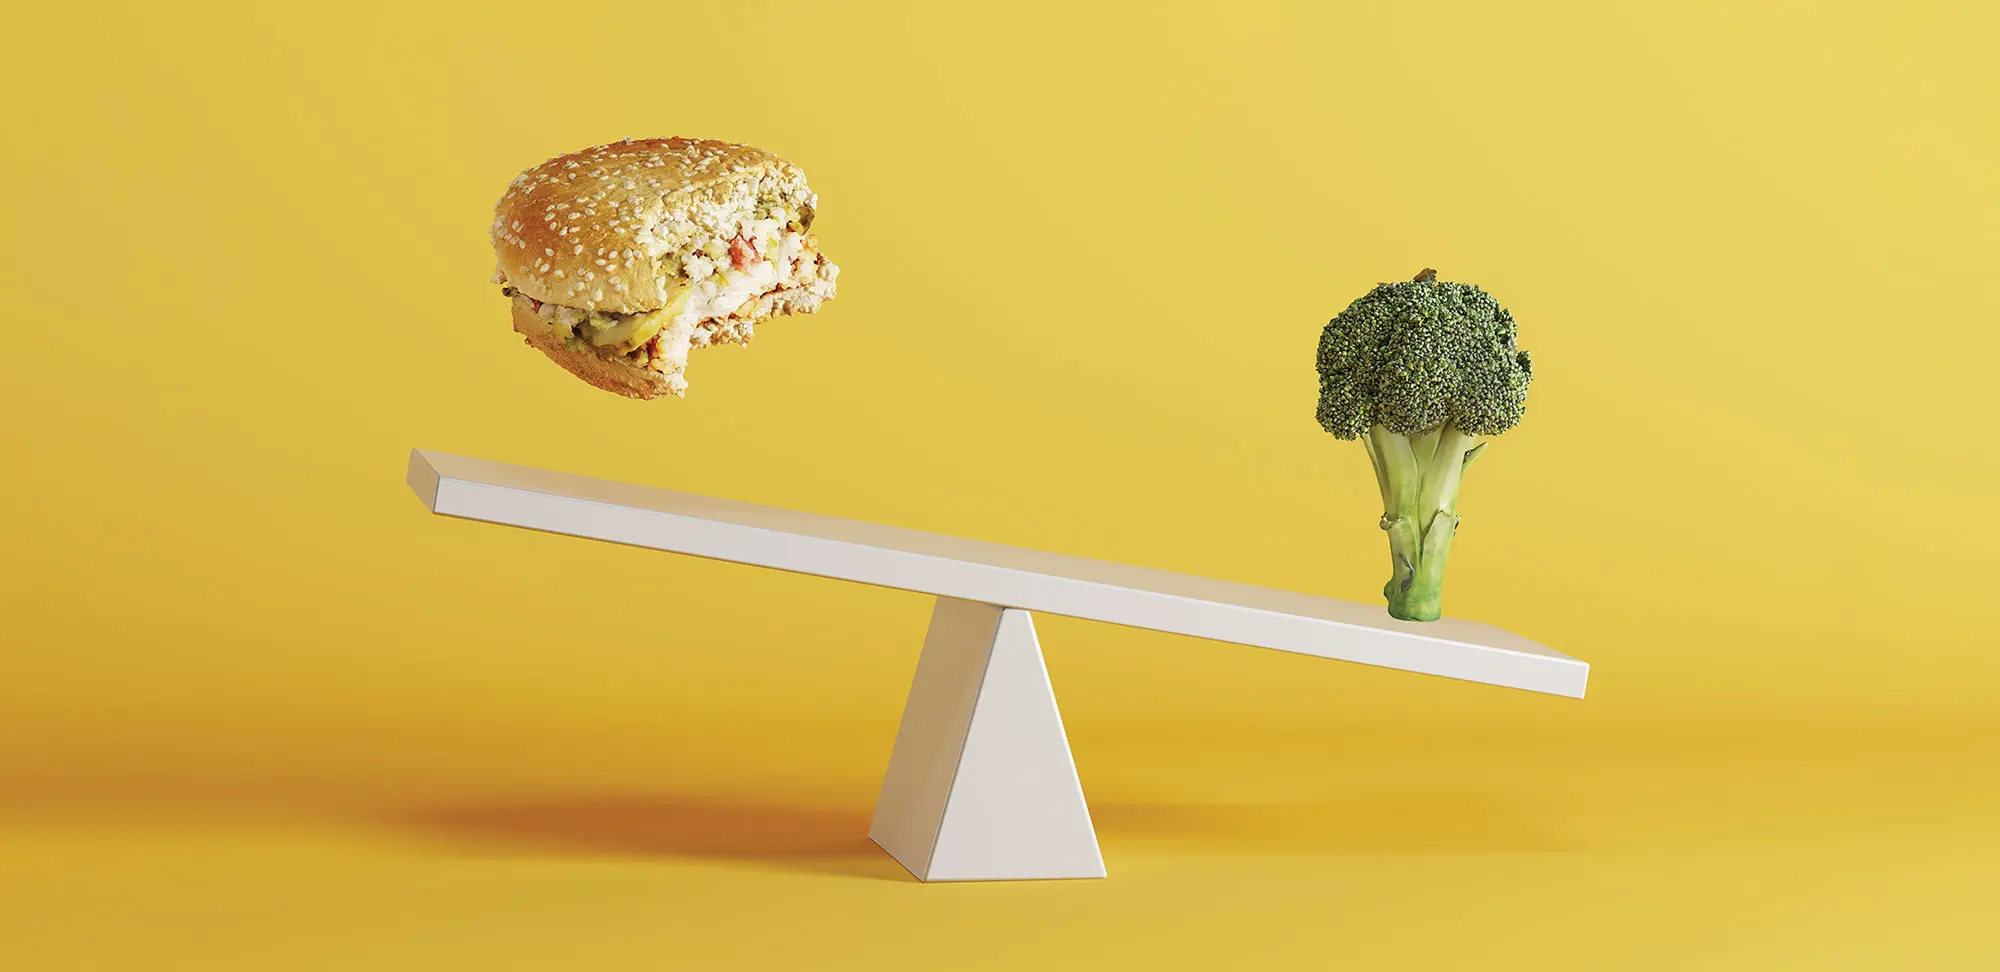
<point x="718" y="291"/>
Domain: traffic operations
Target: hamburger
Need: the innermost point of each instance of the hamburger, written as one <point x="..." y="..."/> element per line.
<point x="621" y="258"/>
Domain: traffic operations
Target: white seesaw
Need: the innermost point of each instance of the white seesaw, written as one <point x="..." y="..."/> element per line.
<point x="980" y="785"/>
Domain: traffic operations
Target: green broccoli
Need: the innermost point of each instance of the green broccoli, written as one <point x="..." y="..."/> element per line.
<point x="1419" y="371"/>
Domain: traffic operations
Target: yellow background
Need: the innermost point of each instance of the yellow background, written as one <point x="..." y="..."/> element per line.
<point x="259" y="710"/>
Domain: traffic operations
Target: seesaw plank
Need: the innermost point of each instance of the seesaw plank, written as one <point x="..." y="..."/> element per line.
<point x="991" y="573"/>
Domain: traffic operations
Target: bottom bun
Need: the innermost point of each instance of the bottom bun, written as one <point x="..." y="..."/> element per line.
<point x="613" y="374"/>
<point x="618" y="375"/>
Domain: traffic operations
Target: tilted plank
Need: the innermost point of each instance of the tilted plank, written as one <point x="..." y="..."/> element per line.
<point x="990" y="573"/>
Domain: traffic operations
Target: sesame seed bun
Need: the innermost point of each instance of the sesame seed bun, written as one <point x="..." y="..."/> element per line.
<point x="622" y="258"/>
<point x="589" y="229"/>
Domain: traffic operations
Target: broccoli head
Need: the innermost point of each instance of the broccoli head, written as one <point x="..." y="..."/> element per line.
<point x="1420" y="372"/>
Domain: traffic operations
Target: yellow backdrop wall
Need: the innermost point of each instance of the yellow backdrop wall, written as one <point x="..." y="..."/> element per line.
<point x="1087" y="251"/>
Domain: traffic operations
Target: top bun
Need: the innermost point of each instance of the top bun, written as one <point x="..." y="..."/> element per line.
<point x="597" y="229"/>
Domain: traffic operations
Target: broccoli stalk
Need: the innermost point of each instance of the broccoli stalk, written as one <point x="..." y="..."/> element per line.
<point x="1418" y="372"/>
<point x="1419" y="477"/>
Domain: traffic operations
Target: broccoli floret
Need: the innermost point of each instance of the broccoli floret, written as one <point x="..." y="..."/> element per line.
<point x="1419" y="372"/>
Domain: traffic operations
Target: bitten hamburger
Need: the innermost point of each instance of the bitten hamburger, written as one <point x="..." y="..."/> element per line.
<point x="621" y="258"/>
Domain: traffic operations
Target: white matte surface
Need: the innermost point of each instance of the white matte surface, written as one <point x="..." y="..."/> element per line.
<point x="989" y="573"/>
<point x="981" y="786"/>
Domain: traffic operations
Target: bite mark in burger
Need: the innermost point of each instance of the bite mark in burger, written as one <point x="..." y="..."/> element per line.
<point x="622" y="258"/>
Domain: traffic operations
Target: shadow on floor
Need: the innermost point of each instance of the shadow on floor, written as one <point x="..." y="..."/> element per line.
<point x="825" y="840"/>
<point x="835" y="840"/>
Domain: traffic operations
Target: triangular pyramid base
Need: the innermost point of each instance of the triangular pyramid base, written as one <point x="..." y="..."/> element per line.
<point x="981" y="786"/>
